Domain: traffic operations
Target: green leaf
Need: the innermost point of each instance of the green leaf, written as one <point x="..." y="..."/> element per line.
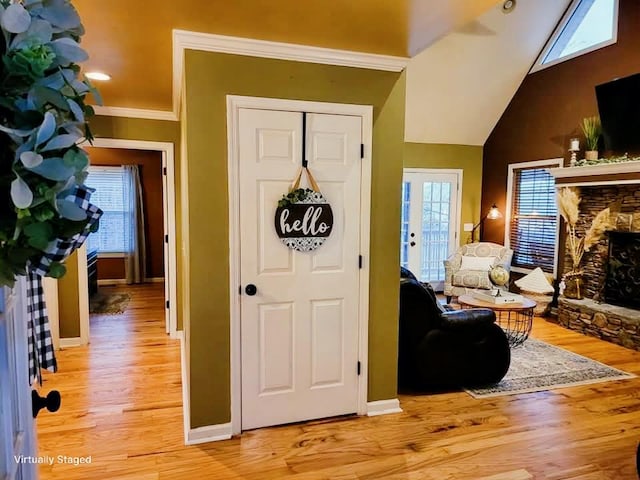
<point x="96" y="95"/>
<point x="39" y="30"/>
<point x="43" y="95"/>
<point x="39" y="230"/>
<point x="76" y="158"/>
<point x="60" y="142"/>
<point x="46" y="130"/>
<point x="54" y="169"/>
<point x="62" y="15"/>
<point x="15" y="19"/>
<point x="71" y="211"/>
<point x="7" y="277"/>
<point x="18" y="257"/>
<point x="39" y="243"/>
<point x="15" y="131"/>
<point x="44" y="214"/>
<point x="31" y="159"/>
<point x="76" y="110"/>
<point x="56" y="270"/>
<point x="68" y="51"/>
<point x="21" y="194"/>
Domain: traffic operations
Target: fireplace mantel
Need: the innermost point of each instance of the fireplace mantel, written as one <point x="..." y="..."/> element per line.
<point x="593" y="175"/>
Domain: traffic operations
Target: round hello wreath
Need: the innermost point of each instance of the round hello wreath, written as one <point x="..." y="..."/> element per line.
<point x="304" y="218"/>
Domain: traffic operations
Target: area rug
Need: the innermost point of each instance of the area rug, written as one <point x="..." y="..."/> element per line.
<point x="109" y="303"/>
<point x="537" y="366"/>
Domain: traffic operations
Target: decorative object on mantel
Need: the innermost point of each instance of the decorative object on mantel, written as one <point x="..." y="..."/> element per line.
<point x="592" y="130"/>
<point x="574" y="148"/>
<point x="568" y="206"/>
<point x="45" y="212"/>
<point x="603" y="161"/>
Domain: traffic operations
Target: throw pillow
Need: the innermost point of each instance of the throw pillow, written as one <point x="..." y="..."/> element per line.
<point x="477" y="263"/>
<point x="472" y="279"/>
<point x="536" y="282"/>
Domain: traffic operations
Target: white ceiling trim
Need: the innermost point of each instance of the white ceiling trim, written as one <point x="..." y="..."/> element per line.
<point x="186" y="40"/>
<point x="135" y="113"/>
<point x="183" y="40"/>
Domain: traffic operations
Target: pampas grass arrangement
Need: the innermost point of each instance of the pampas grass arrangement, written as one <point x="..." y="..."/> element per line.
<point x="569" y="208"/>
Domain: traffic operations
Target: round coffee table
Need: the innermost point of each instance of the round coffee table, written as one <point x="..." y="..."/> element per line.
<point x="516" y="319"/>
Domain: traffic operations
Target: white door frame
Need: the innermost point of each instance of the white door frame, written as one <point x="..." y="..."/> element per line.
<point x="456" y="171"/>
<point x="234" y="104"/>
<point x="15" y="390"/>
<point x="169" y="208"/>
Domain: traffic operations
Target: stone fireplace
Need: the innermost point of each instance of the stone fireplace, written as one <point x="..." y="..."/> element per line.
<point x="622" y="281"/>
<point x="610" y="309"/>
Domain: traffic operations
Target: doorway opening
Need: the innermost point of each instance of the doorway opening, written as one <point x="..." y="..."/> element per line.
<point x="430" y="221"/>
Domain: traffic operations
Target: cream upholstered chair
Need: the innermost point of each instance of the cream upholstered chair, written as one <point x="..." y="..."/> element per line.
<point x="462" y="275"/>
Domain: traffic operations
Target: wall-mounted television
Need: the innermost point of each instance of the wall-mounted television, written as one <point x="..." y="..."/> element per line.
<point x="619" y="107"/>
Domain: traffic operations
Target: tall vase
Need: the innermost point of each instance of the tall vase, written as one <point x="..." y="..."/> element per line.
<point x="574" y="285"/>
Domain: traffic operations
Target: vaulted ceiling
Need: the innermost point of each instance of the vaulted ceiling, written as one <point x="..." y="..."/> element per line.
<point x="132" y="41"/>
<point x="459" y="87"/>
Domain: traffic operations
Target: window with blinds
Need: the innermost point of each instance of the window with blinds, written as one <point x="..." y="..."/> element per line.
<point x="109" y="197"/>
<point x="533" y="226"/>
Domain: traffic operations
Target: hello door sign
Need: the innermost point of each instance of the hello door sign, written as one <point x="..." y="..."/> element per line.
<point x="304" y="218"/>
<point x="303" y="224"/>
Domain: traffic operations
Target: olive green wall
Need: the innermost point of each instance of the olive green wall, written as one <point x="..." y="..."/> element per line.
<point x="69" y="299"/>
<point x="209" y="77"/>
<point x="465" y="157"/>
<point x="156" y="131"/>
<point x="136" y="129"/>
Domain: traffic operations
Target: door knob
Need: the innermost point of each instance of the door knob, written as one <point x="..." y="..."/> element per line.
<point x="51" y="402"/>
<point x="251" y="289"/>
<point x="413" y="244"/>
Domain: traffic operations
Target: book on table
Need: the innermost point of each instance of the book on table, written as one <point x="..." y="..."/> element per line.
<point x="501" y="298"/>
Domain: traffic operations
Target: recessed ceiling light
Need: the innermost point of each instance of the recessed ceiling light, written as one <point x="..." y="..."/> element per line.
<point x="508" y="6"/>
<point x="101" y="77"/>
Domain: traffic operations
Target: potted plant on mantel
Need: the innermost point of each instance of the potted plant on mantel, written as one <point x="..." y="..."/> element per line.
<point x="592" y="130"/>
<point x="568" y="206"/>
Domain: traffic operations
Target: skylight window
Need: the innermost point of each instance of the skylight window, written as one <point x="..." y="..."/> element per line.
<point x="587" y="26"/>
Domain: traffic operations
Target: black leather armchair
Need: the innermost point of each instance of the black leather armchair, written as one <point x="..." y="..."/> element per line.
<point x="444" y="349"/>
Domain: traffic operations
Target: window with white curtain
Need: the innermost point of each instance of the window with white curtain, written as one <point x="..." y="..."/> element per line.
<point x="109" y="197"/>
<point x="532" y="229"/>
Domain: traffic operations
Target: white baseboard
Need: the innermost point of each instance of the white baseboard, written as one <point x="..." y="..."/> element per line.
<point x="383" y="407"/>
<point x="105" y="282"/>
<point x="194" y="436"/>
<point x="71" y="342"/>
<point x="210" y="433"/>
<point x="184" y="372"/>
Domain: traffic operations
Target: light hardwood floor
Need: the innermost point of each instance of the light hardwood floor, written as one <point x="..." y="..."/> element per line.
<point x="122" y="405"/>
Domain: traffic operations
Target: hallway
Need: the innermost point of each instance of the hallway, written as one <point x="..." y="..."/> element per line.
<point x="121" y="395"/>
<point x="121" y="404"/>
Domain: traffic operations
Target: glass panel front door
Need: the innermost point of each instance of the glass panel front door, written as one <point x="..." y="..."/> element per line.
<point x="429" y="223"/>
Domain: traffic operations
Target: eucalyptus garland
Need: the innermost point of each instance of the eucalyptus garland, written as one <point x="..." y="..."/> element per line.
<point x="294" y="196"/>
<point x="603" y="161"/>
<point x="43" y="119"/>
